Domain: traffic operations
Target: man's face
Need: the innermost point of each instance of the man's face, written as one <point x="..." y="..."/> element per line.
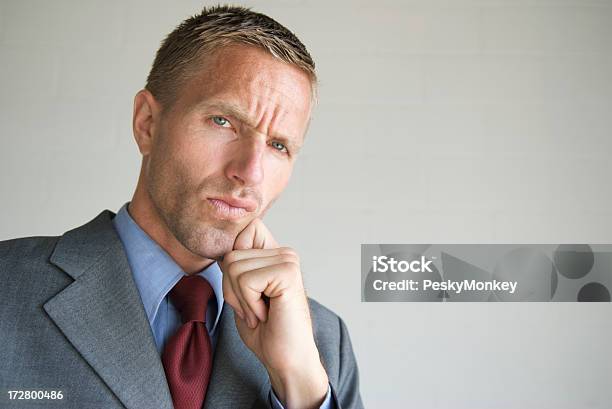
<point x="225" y="149"/>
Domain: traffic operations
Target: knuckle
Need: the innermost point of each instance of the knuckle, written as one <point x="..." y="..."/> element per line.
<point x="286" y="250"/>
<point x="230" y="257"/>
<point x="241" y="280"/>
<point x="290" y="258"/>
<point x="291" y="267"/>
<point x="233" y="270"/>
<point x="233" y="302"/>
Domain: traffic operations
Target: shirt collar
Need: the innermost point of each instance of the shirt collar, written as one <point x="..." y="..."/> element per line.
<point x="154" y="271"/>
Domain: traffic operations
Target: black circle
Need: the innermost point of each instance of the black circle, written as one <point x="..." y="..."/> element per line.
<point x="594" y="292"/>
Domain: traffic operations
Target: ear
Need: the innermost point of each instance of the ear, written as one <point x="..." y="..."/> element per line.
<point x="145" y="120"/>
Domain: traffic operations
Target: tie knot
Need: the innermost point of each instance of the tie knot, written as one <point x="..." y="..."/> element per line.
<point x="190" y="297"/>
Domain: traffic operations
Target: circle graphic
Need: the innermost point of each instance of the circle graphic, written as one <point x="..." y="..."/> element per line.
<point x="534" y="272"/>
<point x="594" y="292"/>
<point x="574" y="260"/>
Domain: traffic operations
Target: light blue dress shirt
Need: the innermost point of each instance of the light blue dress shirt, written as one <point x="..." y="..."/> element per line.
<point x="155" y="273"/>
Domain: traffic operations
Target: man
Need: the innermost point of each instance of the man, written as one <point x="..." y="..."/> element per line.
<point x="184" y="298"/>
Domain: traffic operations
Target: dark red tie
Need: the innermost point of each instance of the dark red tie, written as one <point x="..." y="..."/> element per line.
<point x="187" y="356"/>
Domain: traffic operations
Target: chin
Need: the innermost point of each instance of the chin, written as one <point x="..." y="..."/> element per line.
<point x="207" y="238"/>
<point x="212" y="243"/>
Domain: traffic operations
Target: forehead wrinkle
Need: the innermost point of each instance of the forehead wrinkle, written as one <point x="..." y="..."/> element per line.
<point x="272" y="118"/>
<point x="274" y="95"/>
<point x="264" y="116"/>
<point x="267" y="121"/>
<point x="276" y="116"/>
<point x="276" y="92"/>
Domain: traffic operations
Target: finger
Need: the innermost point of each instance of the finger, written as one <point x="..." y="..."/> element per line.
<point x="230" y="298"/>
<point x="242" y="267"/>
<point x="272" y="281"/>
<point x="263" y="237"/>
<point x="241" y="326"/>
<point x="255" y="236"/>
<point x="239" y="321"/>
<point x="254" y="308"/>
<point x="250" y="315"/>
<point x="235" y="296"/>
<point x="236" y="255"/>
<point x="244" y="240"/>
<point x="260" y="240"/>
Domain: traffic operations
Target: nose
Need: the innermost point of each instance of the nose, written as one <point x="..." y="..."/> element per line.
<point x="246" y="164"/>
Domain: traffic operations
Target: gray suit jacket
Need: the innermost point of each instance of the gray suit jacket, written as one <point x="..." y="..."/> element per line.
<point x="71" y="319"/>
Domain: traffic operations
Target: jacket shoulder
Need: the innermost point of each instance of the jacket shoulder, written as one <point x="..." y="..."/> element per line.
<point x="26" y="250"/>
<point x="25" y="268"/>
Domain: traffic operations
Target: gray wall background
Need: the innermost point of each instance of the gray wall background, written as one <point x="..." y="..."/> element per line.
<point x="440" y="121"/>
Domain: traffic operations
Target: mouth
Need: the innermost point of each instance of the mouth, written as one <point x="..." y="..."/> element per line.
<point x="230" y="208"/>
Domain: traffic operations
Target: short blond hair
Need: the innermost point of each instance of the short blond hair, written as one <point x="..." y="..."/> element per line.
<point x="182" y="51"/>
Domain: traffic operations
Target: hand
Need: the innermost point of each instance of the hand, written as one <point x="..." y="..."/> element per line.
<point x="262" y="282"/>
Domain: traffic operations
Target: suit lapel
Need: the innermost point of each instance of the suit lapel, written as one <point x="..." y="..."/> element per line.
<point x="101" y="314"/>
<point x="238" y="378"/>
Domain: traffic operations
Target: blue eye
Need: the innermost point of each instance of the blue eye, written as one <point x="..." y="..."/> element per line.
<point x="278" y="146"/>
<point x="219" y="120"/>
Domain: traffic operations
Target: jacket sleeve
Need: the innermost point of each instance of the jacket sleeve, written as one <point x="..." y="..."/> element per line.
<point x="346" y="393"/>
<point x="328" y="403"/>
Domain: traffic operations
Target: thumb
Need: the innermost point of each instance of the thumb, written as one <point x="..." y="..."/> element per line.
<point x="255" y="236"/>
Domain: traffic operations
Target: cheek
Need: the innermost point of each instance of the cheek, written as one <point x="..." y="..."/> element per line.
<point x="277" y="178"/>
<point x="175" y="173"/>
<point x="200" y="157"/>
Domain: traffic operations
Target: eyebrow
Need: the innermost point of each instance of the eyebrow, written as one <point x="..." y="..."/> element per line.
<point x="235" y="111"/>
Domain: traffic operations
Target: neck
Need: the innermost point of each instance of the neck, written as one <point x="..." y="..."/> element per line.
<point x="143" y="212"/>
